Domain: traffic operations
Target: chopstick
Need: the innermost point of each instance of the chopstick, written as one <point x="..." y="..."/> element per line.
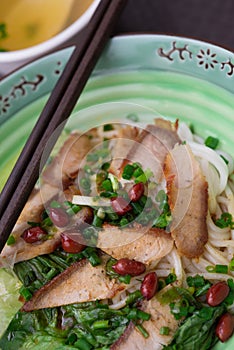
<point x="55" y="113"/>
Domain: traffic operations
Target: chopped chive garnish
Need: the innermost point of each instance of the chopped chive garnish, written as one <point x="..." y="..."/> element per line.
<point x="124" y="222"/>
<point x="108" y="127"/>
<point x="196" y="281"/>
<point x="11" y="240"/>
<point x="164" y="330"/>
<point x="225" y="221"/>
<point x="138" y="172"/>
<point x="108" y="194"/>
<point x="211" y="142"/>
<point x="26" y="294"/>
<point x="97" y="221"/>
<point x="74" y="209"/>
<point x="142" y="330"/>
<point x="107" y="185"/>
<point x="134" y="296"/>
<point x="142" y="178"/>
<point x="143" y="315"/>
<point x="128" y="172"/>
<point x="217" y="268"/>
<point x="55" y="204"/>
<point x="170" y="278"/>
<point x="105" y="166"/>
<point x="231" y="265"/>
<point x="125" y="279"/>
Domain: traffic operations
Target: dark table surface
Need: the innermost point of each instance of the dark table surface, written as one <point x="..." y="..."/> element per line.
<point x="208" y="20"/>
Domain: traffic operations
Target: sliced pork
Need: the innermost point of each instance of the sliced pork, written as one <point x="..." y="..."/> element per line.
<point x="142" y="244"/>
<point x="187" y="191"/>
<point x="160" y="317"/>
<point x="79" y="283"/>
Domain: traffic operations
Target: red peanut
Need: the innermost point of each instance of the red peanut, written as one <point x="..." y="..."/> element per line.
<point x="136" y="192"/>
<point x="217" y="293"/>
<point x="71" y="245"/>
<point x="120" y="205"/>
<point x="129" y="267"/>
<point x="225" y="327"/>
<point x="33" y="234"/>
<point x="149" y="285"/>
<point x="59" y="217"/>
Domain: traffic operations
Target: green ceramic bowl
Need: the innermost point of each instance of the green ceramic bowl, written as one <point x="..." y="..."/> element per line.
<point x="143" y="75"/>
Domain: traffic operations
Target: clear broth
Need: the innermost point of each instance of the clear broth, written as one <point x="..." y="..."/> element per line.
<point x="24" y="23"/>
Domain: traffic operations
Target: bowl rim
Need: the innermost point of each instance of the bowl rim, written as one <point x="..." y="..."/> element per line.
<point x="52" y="43"/>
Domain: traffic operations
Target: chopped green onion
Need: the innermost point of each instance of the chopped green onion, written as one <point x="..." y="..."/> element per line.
<point x="148" y="173"/>
<point x="124" y="221"/>
<point x="108" y="127"/>
<point x="211" y="142"/>
<point x="108" y="194"/>
<point x="225" y="221"/>
<point x="161" y="284"/>
<point x="231" y="265"/>
<point x="170" y="278"/>
<point x="105" y="166"/>
<point x="217" y="268"/>
<point x="164" y="330"/>
<point x="26" y="294"/>
<point x="202" y="290"/>
<point x="138" y="172"/>
<point x="92" y="256"/>
<point x="137" y="208"/>
<point x="196" y="281"/>
<point x="55" y="204"/>
<point x="145" y="316"/>
<point x="142" y="330"/>
<point x="142" y="178"/>
<point x="125" y="279"/>
<point x="133" y="297"/>
<point x="74" y="209"/>
<point x="107" y="185"/>
<point x="128" y="172"/>
<point x="11" y="240"/>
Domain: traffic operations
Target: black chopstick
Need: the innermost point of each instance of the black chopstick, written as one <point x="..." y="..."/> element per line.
<point x="56" y="111"/>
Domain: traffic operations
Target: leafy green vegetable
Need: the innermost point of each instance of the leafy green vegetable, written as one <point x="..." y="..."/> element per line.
<point x="197" y="331"/>
<point x="90" y="325"/>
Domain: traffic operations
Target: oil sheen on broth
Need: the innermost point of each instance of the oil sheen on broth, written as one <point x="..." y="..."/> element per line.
<point x="30" y="22"/>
